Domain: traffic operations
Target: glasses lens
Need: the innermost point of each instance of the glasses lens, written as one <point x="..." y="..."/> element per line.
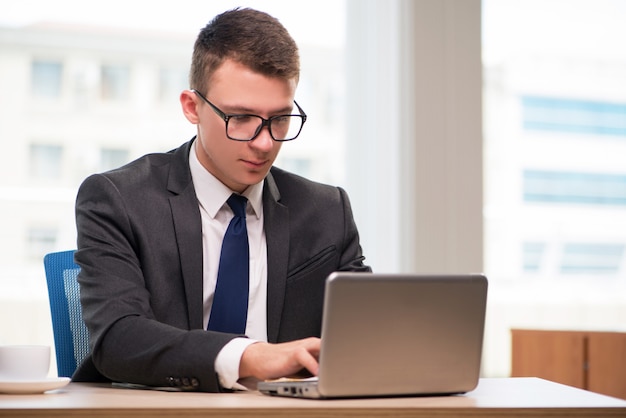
<point x="246" y="127"/>
<point x="286" y="128"/>
<point x="243" y="127"/>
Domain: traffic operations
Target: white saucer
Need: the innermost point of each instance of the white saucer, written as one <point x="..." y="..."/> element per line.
<point x="29" y="386"/>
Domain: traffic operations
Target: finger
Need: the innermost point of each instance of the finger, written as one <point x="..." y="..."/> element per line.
<point x="307" y="360"/>
<point x="312" y="345"/>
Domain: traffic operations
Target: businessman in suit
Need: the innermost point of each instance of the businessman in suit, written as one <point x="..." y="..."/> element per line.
<point x="149" y="233"/>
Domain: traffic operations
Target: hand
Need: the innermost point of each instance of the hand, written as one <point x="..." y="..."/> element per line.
<point x="271" y="361"/>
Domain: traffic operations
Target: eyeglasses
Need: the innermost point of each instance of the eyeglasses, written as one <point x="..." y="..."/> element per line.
<point x="247" y="127"/>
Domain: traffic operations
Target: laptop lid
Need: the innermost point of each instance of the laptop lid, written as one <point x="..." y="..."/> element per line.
<point x="398" y="334"/>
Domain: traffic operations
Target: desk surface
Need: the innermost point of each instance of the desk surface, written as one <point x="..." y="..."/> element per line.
<point x="511" y="397"/>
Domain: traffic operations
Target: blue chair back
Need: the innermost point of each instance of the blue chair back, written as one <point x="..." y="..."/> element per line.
<point x="71" y="339"/>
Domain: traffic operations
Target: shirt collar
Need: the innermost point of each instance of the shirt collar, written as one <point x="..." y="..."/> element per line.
<point x="212" y="194"/>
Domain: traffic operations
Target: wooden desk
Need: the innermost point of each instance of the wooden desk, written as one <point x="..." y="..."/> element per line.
<point x="510" y="397"/>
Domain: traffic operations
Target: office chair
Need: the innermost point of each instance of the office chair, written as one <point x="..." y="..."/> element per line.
<point x="71" y="339"/>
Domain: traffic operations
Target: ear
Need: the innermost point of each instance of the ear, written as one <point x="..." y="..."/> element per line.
<point x="188" y="101"/>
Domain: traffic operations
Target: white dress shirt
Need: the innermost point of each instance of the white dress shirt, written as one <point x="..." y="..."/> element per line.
<point x="216" y="215"/>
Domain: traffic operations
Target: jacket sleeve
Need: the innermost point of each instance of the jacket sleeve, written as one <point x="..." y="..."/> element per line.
<point x="129" y="341"/>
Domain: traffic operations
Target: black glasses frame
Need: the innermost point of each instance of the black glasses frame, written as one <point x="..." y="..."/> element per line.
<point x="264" y="122"/>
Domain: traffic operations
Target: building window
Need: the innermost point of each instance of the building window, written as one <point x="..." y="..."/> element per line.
<point x="533" y="256"/>
<point x="302" y="166"/>
<point x="45" y="161"/>
<point x="115" y="82"/>
<point x="171" y="82"/>
<point x="112" y="158"/>
<point x="41" y="241"/>
<point x="46" y="79"/>
<point x="574" y="116"/>
<point x="580" y="258"/>
<point x="576" y="188"/>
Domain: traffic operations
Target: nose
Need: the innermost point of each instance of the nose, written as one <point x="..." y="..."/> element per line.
<point x="263" y="141"/>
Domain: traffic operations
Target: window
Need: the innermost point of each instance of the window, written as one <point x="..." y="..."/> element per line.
<point x="115" y="82"/>
<point x="45" y="161"/>
<point x="46" y="79"/>
<point x="533" y="256"/>
<point x="297" y="165"/>
<point x="555" y="171"/>
<point x="41" y="241"/>
<point x="574" y="116"/>
<point x="111" y="158"/>
<point x="555" y="130"/>
<point x="571" y="187"/>
<point x="596" y="259"/>
<point x="171" y="82"/>
<point x="136" y="62"/>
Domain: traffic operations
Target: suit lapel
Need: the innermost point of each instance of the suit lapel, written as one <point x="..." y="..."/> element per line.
<point x="188" y="229"/>
<point x="276" y="219"/>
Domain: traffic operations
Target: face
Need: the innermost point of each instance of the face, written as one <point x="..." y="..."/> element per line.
<point x="236" y="89"/>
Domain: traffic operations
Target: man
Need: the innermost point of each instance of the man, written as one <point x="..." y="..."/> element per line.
<point x="150" y="233"/>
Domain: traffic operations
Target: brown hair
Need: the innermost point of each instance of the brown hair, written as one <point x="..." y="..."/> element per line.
<point x="250" y="37"/>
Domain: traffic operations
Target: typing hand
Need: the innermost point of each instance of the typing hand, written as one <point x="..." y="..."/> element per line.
<point x="271" y="361"/>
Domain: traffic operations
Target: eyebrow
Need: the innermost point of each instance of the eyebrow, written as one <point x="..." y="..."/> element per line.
<point x="238" y="110"/>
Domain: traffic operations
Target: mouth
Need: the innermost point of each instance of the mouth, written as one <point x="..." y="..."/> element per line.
<point x="255" y="164"/>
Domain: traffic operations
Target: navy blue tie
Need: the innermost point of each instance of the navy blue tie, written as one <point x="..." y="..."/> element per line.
<point x="230" y="302"/>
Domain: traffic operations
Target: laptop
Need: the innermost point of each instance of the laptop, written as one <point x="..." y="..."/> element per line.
<point x="395" y="335"/>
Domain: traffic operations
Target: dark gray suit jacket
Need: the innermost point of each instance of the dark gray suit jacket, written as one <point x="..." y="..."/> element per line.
<point x="140" y="253"/>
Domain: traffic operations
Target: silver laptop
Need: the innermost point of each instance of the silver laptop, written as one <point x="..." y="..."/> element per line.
<point x="394" y="335"/>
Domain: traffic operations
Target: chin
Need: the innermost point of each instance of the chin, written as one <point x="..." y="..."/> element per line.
<point x="256" y="176"/>
<point x="253" y="178"/>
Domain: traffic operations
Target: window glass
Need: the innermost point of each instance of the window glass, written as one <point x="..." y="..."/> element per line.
<point x="555" y="136"/>
<point x="574" y="116"/>
<point x="41" y="240"/>
<point x="554" y="97"/>
<point x="115" y="82"/>
<point x="171" y="82"/>
<point x="122" y="71"/>
<point x="591" y="258"/>
<point x="112" y="158"/>
<point x="46" y="78"/>
<point x="45" y="161"/>
<point x="533" y="256"/>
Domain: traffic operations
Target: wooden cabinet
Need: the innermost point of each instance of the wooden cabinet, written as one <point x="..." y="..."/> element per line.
<point x="590" y="360"/>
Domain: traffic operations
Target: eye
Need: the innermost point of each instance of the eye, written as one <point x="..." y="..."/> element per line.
<point x="243" y="119"/>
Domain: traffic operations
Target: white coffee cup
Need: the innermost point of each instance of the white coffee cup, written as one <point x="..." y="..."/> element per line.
<point x="24" y="362"/>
